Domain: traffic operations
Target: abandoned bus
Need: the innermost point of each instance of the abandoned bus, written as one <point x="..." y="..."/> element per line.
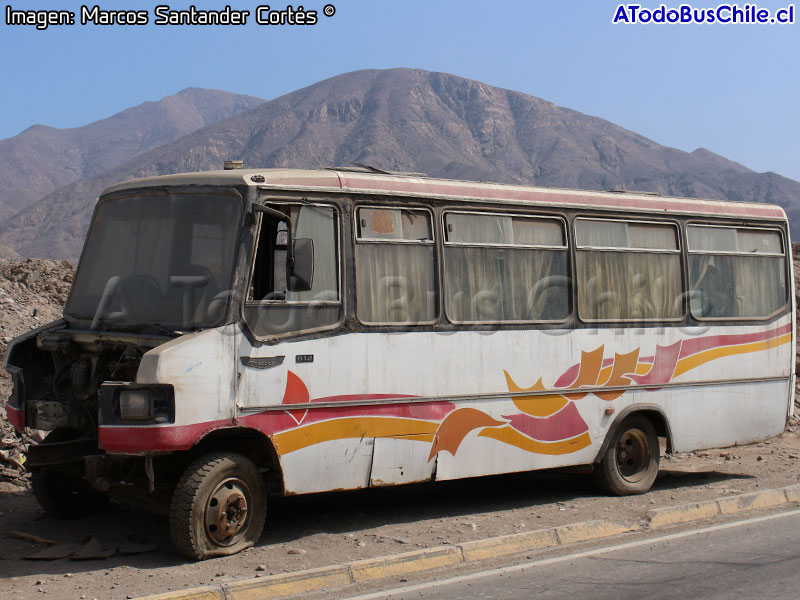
<point x="239" y="332"/>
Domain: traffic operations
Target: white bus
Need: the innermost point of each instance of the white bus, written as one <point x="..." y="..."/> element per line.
<point x="235" y="332"/>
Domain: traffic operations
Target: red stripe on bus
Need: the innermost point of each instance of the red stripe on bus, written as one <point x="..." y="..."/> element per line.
<point x="16" y="417"/>
<point x="122" y="439"/>
<point x="148" y="438"/>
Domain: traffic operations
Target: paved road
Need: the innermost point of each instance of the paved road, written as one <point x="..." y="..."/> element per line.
<point x="755" y="558"/>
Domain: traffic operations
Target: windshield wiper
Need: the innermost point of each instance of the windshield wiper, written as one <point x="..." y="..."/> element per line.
<point x="152" y="327"/>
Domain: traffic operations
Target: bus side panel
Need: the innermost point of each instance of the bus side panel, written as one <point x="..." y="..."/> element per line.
<point x="503" y="450"/>
<point x="332" y="465"/>
<point x="379" y="408"/>
<point x="401" y="460"/>
<point x="725" y="415"/>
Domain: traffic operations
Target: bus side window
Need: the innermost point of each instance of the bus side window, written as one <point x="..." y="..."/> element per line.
<point x="509" y="268"/>
<point x="396" y="279"/>
<point x="735" y="272"/>
<point x="628" y="270"/>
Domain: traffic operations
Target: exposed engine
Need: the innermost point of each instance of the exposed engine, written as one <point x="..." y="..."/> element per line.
<point x="60" y="372"/>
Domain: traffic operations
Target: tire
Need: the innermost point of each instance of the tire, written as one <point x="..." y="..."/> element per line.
<point x="61" y="494"/>
<point x="630" y="463"/>
<point x="218" y="507"/>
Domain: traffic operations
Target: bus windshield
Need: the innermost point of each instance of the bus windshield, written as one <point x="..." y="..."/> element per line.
<point x="158" y="260"/>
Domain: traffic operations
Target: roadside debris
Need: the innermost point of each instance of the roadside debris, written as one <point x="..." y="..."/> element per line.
<point x="89" y="548"/>
<point x="21" y="535"/>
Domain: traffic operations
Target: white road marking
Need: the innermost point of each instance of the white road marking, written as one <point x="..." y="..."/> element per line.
<point x="558" y="559"/>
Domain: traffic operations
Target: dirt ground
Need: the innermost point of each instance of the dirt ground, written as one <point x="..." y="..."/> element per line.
<point x="319" y="530"/>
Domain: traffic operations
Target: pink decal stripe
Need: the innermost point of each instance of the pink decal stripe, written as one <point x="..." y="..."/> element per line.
<point x="695" y="345"/>
<point x="568" y="377"/>
<point x="663" y="366"/>
<point x="566" y="423"/>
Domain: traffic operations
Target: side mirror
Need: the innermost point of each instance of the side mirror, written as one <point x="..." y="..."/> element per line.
<point x="300" y="265"/>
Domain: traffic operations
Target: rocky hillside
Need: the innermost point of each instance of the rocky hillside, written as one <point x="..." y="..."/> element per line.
<point x="7" y="253"/>
<point x="414" y="120"/>
<point x="32" y="292"/>
<point x="42" y="159"/>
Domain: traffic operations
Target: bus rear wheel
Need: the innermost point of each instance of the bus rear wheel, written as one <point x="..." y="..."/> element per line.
<point x="630" y="463"/>
<point x="218" y="507"/>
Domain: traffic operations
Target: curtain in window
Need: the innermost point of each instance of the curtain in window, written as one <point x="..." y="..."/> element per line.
<point x="736" y="286"/>
<point x="628" y="285"/>
<point x="396" y="283"/>
<point x="744" y="283"/>
<point x="505" y="284"/>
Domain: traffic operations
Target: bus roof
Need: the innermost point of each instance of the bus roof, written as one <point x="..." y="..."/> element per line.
<point x="356" y="182"/>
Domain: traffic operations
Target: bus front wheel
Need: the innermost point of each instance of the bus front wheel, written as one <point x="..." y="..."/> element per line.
<point x="218" y="507"/>
<point x="630" y="463"/>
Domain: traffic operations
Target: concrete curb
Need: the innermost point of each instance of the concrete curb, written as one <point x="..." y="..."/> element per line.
<point x="509" y="544"/>
<point x="397" y="565"/>
<point x="286" y="584"/>
<point x="674" y="515"/>
<point x="401" y="564"/>
<point x="199" y="593"/>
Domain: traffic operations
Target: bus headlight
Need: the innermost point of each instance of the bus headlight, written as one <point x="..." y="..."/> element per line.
<point x="135" y="405"/>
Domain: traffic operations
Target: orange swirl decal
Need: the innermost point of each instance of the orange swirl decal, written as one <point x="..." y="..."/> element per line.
<point x="455" y="428"/>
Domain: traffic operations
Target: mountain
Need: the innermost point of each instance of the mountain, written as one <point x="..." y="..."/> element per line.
<point x="42" y="159"/>
<point x="412" y="120"/>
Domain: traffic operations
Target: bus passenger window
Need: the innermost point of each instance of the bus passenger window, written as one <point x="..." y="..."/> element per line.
<point x="628" y="271"/>
<point x="735" y="272"/>
<point x="505" y="268"/>
<point x="395" y="266"/>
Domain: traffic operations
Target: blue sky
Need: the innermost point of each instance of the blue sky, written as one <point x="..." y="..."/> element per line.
<point x="734" y="89"/>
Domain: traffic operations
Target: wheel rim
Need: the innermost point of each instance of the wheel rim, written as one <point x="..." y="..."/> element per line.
<point x="227" y="511"/>
<point x="633" y="455"/>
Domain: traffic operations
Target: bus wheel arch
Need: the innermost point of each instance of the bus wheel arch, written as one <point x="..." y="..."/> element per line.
<point x="627" y="462"/>
<point x="249" y="443"/>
